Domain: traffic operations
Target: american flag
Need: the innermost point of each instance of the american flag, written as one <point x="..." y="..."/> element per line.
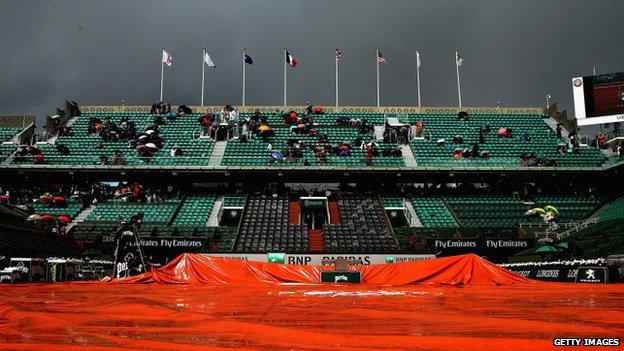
<point x="338" y="54"/>
<point x="381" y="58"/>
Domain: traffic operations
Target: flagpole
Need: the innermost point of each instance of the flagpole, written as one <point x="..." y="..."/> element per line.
<point x="336" y="80"/>
<point x="285" y="72"/>
<point x="162" y="73"/>
<point x="377" y="62"/>
<point x="418" y="75"/>
<point x="458" y="83"/>
<point x="244" y="82"/>
<point x="203" y="76"/>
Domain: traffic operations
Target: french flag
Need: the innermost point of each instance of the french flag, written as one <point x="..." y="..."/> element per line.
<point x="291" y="60"/>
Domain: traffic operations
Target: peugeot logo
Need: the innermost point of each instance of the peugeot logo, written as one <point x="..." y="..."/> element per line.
<point x="590" y="274"/>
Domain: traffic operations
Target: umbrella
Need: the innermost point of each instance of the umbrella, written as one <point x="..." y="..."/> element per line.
<point x="64" y="218"/>
<point x="277" y="155"/>
<point x="546" y="249"/>
<point x="264" y="128"/>
<point x="149" y="132"/>
<point x="551" y="208"/>
<point x="502" y="131"/>
<point x="59" y="198"/>
<point x="300" y="125"/>
<point x="47" y="218"/>
<point x="151" y="146"/>
<point x="563" y="245"/>
<point x="34" y="217"/>
<point x="539" y="210"/>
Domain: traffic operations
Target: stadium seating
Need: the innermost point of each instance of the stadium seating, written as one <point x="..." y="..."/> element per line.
<point x="6" y="134"/>
<point x="504" y="152"/>
<point x="183" y="132"/>
<point x="264" y="227"/>
<point x="489" y="211"/>
<point x="615" y="211"/>
<point x="194" y="211"/>
<point x="234" y="201"/>
<point x="71" y="209"/>
<point x="114" y="212"/>
<point x="571" y="208"/>
<point x="257" y="153"/>
<point x="433" y="213"/>
<point x="392" y="202"/>
<point x="362" y="227"/>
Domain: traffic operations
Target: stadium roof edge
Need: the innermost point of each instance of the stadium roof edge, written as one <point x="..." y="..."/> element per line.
<point x="363" y="109"/>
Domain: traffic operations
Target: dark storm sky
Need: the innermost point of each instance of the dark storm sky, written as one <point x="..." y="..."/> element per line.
<point x="99" y="52"/>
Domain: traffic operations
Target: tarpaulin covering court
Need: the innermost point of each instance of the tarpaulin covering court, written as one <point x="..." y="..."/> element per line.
<point x="195" y="268"/>
<point x="260" y="314"/>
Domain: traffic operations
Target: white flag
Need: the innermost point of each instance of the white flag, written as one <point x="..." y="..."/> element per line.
<point x="417" y="59"/>
<point x="208" y="60"/>
<point x="167" y="59"/>
<point x="459" y="59"/>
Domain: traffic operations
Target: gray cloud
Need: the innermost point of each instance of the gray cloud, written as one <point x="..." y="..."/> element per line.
<point x="98" y="52"/>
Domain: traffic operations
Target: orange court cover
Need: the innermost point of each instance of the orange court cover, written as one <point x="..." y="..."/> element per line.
<point x="205" y="303"/>
<point x="196" y="268"/>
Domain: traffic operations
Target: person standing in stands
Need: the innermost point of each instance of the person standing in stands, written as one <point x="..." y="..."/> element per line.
<point x="601" y="139"/>
<point x="559" y="131"/>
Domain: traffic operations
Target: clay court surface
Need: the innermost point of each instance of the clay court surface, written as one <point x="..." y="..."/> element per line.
<point x="428" y="315"/>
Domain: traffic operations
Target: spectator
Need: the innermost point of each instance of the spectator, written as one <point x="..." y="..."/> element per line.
<point x="559" y="131"/>
<point x="38" y="159"/>
<point x="175" y="151"/>
<point x="601" y="139"/>
<point x="420" y="125"/>
<point x="118" y="159"/>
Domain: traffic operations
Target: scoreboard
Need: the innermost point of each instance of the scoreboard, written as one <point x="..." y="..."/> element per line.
<point x="599" y="99"/>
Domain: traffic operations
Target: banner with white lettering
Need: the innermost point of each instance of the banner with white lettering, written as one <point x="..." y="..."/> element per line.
<point x="316" y="259"/>
<point x="495" y="250"/>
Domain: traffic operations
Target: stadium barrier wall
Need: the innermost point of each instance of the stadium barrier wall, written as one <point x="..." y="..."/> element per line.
<point x="316" y="259"/>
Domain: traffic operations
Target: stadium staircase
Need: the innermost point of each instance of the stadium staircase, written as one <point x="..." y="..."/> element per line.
<point x="408" y="156"/>
<point x="217" y="153"/>
<point x="294" y="213"/>
<point x="413" y="216"/>
<point x="315" y="240"/>
<point x="80" y="217"/>
<point x="334" y="212"/>
<point x="213" y="219"/>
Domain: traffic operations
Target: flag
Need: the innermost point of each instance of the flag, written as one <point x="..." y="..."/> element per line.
<point x="248" y="60"/>
<point x="459" y="59"/>
<point x="167" y="59"/>
<point x="417" y="59"/>
<point x="381" y="59"/>
<point x="208" y="59"/>
<point x="291" y="60"/>
<point x="338" y="54"/>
